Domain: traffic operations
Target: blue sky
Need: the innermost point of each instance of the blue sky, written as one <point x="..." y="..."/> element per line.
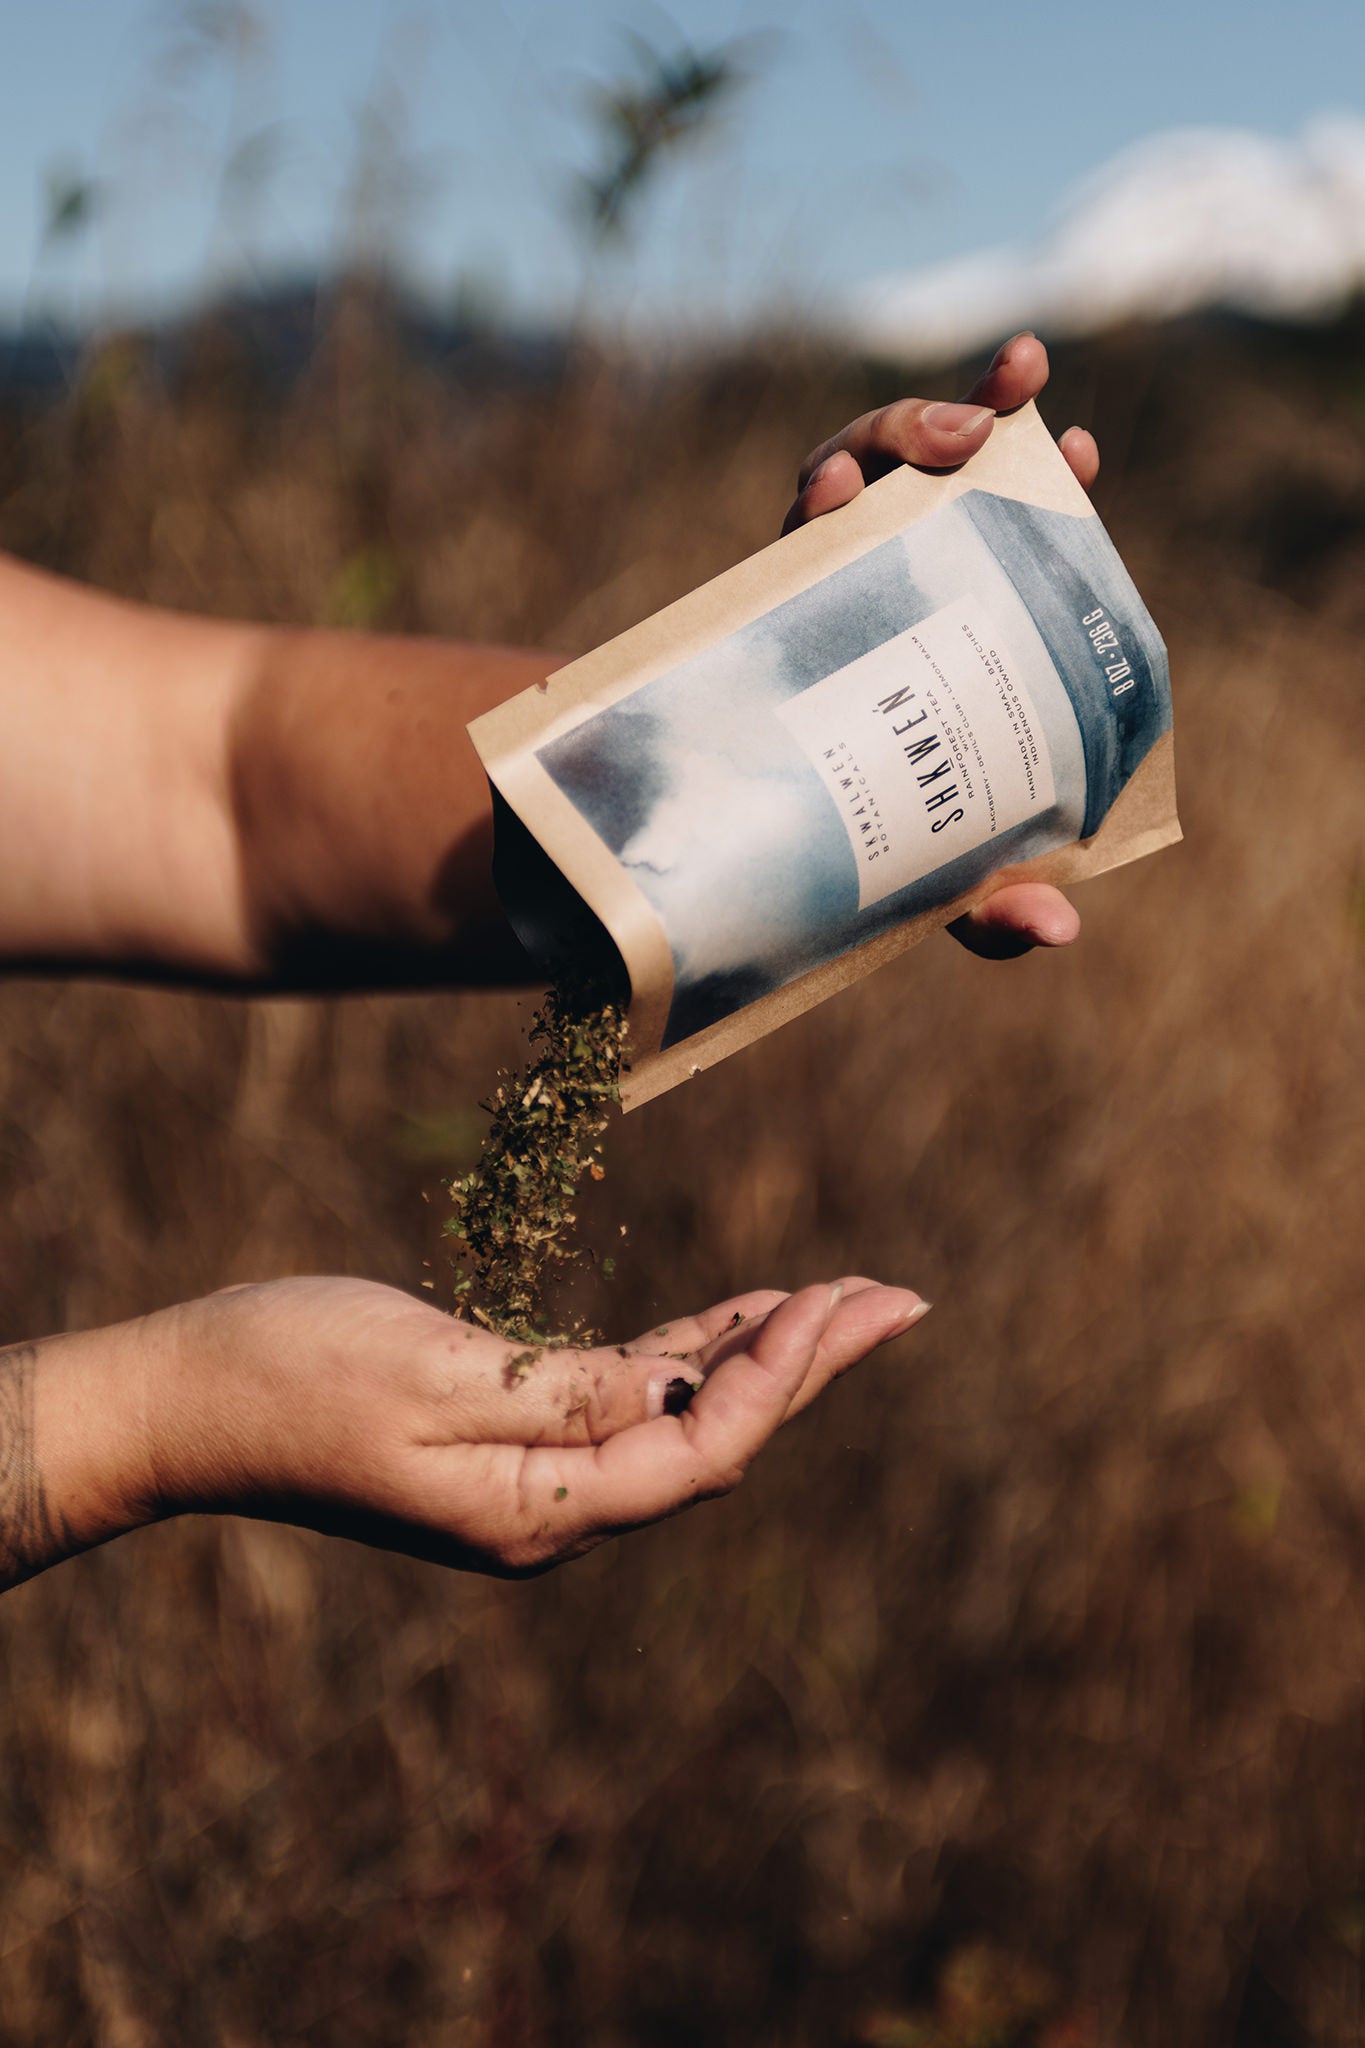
<point x="874" y="136"/>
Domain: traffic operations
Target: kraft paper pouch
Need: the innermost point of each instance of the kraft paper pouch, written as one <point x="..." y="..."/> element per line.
<point x="783" y="780"/>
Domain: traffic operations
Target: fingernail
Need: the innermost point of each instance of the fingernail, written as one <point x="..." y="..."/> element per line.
<point x="668" y="1393"/>
<point x="958" y="420"/>
<point x="813" y="479"/>
<point x="917" y="1313"/>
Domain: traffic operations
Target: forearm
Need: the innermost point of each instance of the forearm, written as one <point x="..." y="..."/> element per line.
<point x="226" y="803"/>
<point x="363" y="813"/>
<point x="116" y="837"/>
<point x="73" y="1462"/>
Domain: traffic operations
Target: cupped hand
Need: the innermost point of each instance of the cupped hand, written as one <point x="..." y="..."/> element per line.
<point x="350" y="1407"/>
<point x="937" y="436"/>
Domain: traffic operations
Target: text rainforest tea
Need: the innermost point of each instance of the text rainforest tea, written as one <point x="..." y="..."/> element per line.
<point x="833" y="749"/>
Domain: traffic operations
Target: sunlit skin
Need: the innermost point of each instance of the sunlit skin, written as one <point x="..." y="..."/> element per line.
<point x="233" y="806"/>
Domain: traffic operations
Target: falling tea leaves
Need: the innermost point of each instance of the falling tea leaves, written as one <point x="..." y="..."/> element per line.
<point x="514" y="1219"/>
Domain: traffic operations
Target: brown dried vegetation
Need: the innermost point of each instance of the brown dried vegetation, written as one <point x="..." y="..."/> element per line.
<point x="1020" y="1696"/>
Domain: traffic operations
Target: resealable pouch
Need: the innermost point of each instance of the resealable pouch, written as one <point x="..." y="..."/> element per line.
<point x="791" y="775"/>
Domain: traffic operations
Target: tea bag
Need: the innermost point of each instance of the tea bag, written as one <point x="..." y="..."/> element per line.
<point x="799" y="770"/>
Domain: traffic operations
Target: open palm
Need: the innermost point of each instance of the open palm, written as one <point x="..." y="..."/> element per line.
<point x="350" y="1407"/>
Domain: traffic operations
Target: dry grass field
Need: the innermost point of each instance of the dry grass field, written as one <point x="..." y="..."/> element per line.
<point x="1019" y="1697"/>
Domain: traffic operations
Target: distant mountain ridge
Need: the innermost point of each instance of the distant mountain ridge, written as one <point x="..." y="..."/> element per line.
<point x="1193" y="220"/>
<point x="276" y="333"/>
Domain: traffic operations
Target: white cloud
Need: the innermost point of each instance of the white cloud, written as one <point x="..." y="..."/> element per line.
<point x="1196" y="218"/>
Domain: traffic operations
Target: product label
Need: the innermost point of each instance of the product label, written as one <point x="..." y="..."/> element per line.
<point x="930" y="746"/>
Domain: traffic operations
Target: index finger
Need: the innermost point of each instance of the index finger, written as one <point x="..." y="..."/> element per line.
<point x="921" y="431"/>
<point x="683" y="1334"/>
<point x="730" y="1322"/>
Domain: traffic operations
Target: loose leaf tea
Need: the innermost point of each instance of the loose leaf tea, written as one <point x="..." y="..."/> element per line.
<point x="514" y="1218"/>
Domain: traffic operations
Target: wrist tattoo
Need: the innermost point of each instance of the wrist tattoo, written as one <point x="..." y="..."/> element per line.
<point x="30" y="1536"/>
